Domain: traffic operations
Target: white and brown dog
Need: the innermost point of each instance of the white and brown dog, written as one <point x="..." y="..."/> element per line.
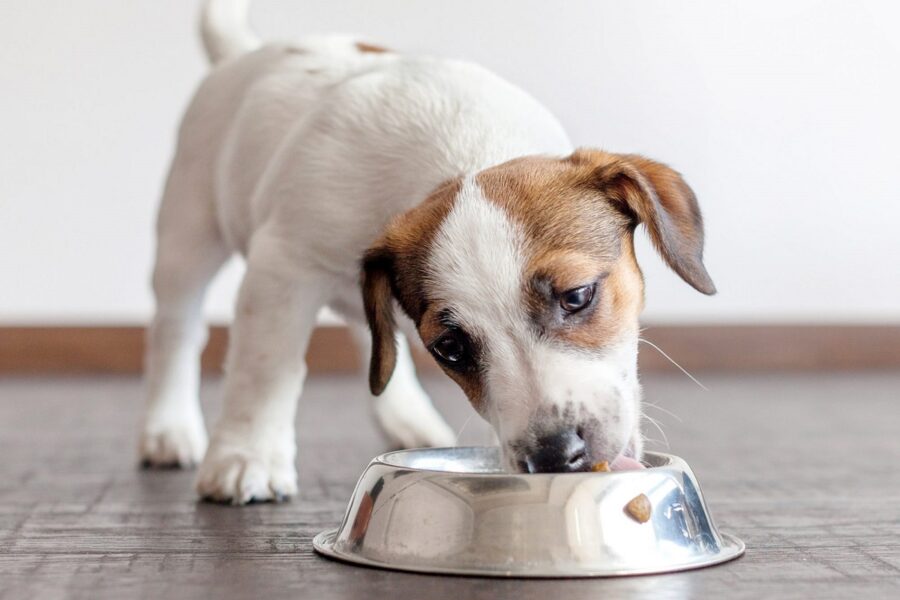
<point x="331" y="164"/>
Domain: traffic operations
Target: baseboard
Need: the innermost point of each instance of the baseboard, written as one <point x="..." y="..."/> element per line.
<point x="104" y="349"/>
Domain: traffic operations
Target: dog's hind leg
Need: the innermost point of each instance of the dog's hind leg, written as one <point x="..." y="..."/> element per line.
<point x="404" y="411"/>
<point x="190" y="251"/>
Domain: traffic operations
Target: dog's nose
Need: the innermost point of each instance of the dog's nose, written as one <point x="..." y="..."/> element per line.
<point x="560" y="452"/>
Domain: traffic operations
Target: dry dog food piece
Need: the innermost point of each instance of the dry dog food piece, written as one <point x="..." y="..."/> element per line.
<point x="601" y="467"/>
<point x="639" y="508"/>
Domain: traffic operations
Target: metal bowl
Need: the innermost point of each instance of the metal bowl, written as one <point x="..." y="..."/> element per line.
<point x="455" y="511"/>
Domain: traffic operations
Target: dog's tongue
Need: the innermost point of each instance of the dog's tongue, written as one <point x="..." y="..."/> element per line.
<point x="625" y="463"/>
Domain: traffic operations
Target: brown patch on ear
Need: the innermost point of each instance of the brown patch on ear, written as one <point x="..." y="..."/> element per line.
<point x="655" y="195"/>
<point x="370" y="48"/>
<point x="379" y="306"/>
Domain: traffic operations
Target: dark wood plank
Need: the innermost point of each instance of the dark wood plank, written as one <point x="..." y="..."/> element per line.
<point x="745" y="348"/>
<point x="803" y="468"/>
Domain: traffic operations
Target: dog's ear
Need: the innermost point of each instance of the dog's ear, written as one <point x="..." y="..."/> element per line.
<point x="377" y="275"/>
<point x="655" y="195"/>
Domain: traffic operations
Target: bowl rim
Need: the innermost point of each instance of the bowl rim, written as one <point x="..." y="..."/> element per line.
<point x="667" y="461"/>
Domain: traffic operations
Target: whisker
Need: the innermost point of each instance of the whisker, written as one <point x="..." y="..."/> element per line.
<point x="660" y="408"/>
<point x="669" y="358"/>
<point x="658" y="427"/>
<point x="461" y="429"/>
<point x="650" y="440"/>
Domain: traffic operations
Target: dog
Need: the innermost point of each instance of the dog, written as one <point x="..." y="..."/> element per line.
<point x="367" y="180"/>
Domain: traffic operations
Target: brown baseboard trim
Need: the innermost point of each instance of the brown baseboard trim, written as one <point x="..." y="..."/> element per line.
<point x="774" y="347"/>
<point x="49" y="350"/>
<point x="113" y="349"/>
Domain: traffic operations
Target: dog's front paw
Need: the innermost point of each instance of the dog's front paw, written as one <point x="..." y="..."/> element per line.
<point x="172" y="440"/>
<point x="239" y="471"/>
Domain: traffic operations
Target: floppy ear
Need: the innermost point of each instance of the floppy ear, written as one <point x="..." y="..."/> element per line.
<point x="656" y="195"/>
<point x="379" y="304"/>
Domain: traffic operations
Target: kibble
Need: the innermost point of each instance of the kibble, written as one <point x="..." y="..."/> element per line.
<point x="639" y="508"/>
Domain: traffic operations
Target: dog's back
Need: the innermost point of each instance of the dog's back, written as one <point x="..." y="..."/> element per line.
<point x="242" y="114"/>
<point x="328" y="103"/>
<point x="250" y="101"/>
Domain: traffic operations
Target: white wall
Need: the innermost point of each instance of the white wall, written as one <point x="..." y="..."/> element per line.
<point x="783" y="116"/>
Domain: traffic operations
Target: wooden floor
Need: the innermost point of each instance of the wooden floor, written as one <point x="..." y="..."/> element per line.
<point x="803" y="468"/>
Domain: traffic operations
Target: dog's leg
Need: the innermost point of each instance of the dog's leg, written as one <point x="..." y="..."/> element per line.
<point x="252" y="449"/>
<point x="189" y="253"/>
<point x="404" y="411"/>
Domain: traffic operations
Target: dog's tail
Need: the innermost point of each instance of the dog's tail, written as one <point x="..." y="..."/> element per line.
<point x="225" y="29"/>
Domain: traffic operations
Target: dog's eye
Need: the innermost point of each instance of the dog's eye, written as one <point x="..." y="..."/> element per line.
<point x="450" y="348"/>
<point x="576" y="299"/>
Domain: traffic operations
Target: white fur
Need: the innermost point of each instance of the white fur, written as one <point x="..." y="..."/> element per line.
<point x="476" y="263"/>
<point x="297" y="157"/>
<point x="224" y="29"/>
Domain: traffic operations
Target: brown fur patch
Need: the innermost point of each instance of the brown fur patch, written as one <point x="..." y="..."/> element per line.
<point x="566" y="269"/>
<point x="574" y="238"/>
<point x="370" y="48"/>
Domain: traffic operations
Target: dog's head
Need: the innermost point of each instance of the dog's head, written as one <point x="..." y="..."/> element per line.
<point x="523" y="284"/>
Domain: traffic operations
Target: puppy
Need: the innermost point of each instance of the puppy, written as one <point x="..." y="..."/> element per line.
<point x="332" y="165"/>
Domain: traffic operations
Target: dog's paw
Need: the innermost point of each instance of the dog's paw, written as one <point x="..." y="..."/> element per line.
<point x="172" y="441"/>
<point x="239" y="472"/>
<point x="409" y="424"/>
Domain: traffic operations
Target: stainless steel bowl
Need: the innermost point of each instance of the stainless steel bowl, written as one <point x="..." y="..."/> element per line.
<point x="454" y="510"/>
